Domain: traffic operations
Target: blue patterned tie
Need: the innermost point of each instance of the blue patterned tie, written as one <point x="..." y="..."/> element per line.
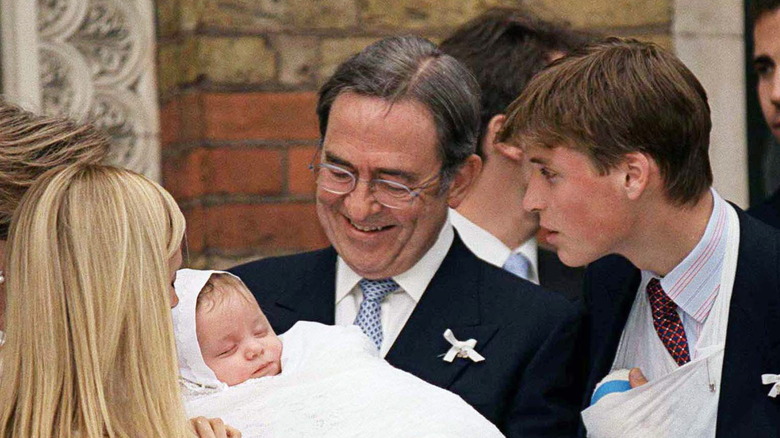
<point x="369" y="317"/>
<point x="519" y="265"/>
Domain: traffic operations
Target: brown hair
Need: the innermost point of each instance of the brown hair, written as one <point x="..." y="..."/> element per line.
<point x="31" y="144"/>
<point x="616" y="97"/>
<point x="504" y="48"/>
<point x="218" y="287"/>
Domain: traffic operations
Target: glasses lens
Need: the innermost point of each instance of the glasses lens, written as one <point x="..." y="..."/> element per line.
<point x="335" y="179"/>
<point x="392" y="194"/>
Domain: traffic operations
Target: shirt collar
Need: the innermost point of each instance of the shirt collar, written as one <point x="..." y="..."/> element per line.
<point x="489" y="247"/>
<point x="694" y="283"/>
<point x="415" y="280"/>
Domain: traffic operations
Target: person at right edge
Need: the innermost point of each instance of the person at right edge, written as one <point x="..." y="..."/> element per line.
<point x="766" y="56"/>
<point x="682" y="289"/>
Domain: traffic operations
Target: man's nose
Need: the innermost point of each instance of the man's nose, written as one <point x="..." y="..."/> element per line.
<point x="360" y="202"/>
<point x="533" y="200"/>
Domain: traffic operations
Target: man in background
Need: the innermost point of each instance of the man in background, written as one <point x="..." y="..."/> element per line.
<point x="766" y="56"/>
<point x="504" y="48"/>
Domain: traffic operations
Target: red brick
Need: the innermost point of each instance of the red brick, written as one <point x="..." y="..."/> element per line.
<point x="264" y="228"/>
<point x="301" y="180"/>
<point x="170" y="122"/>
<point x="196" y="232"/>
<point x="260" y="116"/>
<point x="183" y="174"/>
<point x="180" y="119"/>
<point x="244" y="170"/>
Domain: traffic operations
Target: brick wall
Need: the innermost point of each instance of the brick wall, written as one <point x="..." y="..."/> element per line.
<point x="237" y="83"/>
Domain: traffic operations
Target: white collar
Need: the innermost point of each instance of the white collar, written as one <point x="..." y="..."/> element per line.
<point x="415" y="280"/>
<point x="489" y="247"/>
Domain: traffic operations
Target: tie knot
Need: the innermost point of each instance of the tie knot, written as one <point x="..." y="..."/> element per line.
<point x="659" y="301"/>
<point x="376" y="290"/>
<point x="519" y="265"/>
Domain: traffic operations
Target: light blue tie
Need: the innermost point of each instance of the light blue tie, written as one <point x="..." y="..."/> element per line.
<point x="519" y="265"/>
<point x="369" y="317"/>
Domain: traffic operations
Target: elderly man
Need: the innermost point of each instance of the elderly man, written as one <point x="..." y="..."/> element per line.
<point x="505" y="48"/>
<point x="682" y="287"/>
<point x="766" y="57"/>
<point x="399" y="123"/>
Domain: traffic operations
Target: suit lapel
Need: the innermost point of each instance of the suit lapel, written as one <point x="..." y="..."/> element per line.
<point x="620" y="298"/>
<point x="752" y="337"/>
<point x="312" y="297"/>
<point x="450" y="301"/>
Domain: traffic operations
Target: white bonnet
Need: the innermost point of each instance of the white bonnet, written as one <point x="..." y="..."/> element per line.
<point x="192" y="368"/>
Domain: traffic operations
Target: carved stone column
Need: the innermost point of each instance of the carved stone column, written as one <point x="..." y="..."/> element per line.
<point x="93" y="60"/>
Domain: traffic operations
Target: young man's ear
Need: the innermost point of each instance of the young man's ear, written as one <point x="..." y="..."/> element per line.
<point x="491" y="146"/>
<point x="464" y="178"/>
<point x="638" y="169"/>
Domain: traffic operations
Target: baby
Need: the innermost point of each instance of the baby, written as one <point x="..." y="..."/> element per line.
<point x="314" y="380"/>
<point x="235" y="338"/>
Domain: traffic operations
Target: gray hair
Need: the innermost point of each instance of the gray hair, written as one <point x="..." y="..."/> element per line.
<point x="410" y="67"/>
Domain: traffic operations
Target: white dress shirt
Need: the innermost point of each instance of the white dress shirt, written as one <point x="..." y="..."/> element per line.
<point x="490" y="248"/>
<point x="398" y="306"/>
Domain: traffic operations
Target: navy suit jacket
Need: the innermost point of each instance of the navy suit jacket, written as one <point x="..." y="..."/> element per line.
<point x="768" y="211"/>
<point x="554" y="275"/>
<point x="752" y="338"/>
<point x="526" y="385"/>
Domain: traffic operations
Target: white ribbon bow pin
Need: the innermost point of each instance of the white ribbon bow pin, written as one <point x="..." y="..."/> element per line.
<point x="461" y="348"/>
<point x="774" y="380"/>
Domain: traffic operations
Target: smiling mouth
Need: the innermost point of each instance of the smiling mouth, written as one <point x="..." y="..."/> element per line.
<point x="367" y="229"/>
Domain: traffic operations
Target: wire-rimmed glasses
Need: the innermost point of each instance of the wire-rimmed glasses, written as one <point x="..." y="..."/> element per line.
<point x="391" y="194"/>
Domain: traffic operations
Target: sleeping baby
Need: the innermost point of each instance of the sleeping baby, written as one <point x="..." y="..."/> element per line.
<point x="314" y="380"/>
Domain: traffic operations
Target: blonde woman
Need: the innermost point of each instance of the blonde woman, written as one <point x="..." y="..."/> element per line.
<point x="30" y="145"/>
<point x="89" y="351"/>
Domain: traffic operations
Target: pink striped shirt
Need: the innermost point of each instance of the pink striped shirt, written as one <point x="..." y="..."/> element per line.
<point x="694" y="284"/>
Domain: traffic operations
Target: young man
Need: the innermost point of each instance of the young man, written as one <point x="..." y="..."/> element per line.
<point x="766" y="57"/>
<point x="505" y="48"/>
<point x="682" y="287"/>
<point x="399" y="124"/>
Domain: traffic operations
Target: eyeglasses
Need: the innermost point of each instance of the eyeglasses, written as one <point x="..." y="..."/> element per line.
<point x="391" y="194"/>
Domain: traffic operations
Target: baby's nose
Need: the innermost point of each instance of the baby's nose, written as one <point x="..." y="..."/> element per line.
<point x="253" y="351"/>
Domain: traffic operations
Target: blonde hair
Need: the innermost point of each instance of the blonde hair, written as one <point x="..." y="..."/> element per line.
<point x="90" y="348"/>
<point x="31" y="144"/>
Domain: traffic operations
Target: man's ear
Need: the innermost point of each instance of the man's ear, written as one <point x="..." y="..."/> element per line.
<point x="509" y="151"/>
<point x="465" y="176"/>
<point x="637" y="171"/>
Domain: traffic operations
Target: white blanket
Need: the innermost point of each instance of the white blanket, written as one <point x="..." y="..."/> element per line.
<point x="333" y="384"/>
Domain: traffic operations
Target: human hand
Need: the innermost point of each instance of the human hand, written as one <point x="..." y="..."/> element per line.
<point x="636" y="378"/>
<point x="213" y="428"/>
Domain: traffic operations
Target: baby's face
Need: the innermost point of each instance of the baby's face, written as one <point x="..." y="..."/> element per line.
<point x="237" y="341"/>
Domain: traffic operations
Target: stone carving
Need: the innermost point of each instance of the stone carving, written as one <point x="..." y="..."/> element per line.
<point x="95" y="64"/>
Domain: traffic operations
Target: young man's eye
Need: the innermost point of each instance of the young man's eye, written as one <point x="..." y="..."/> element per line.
<point x="546" y="173"/>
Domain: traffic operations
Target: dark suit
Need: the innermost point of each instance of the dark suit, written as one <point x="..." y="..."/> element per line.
<point x="752" y="339"/>
<point x="768" y="211"/>
<point x="554" y="275"/>
<point x="526" y="334"/>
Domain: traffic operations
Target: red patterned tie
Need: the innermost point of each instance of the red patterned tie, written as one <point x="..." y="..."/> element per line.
<point x="667" y="322"/>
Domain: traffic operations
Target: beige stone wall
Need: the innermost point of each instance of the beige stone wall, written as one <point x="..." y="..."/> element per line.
<point x="238" y="81"/>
